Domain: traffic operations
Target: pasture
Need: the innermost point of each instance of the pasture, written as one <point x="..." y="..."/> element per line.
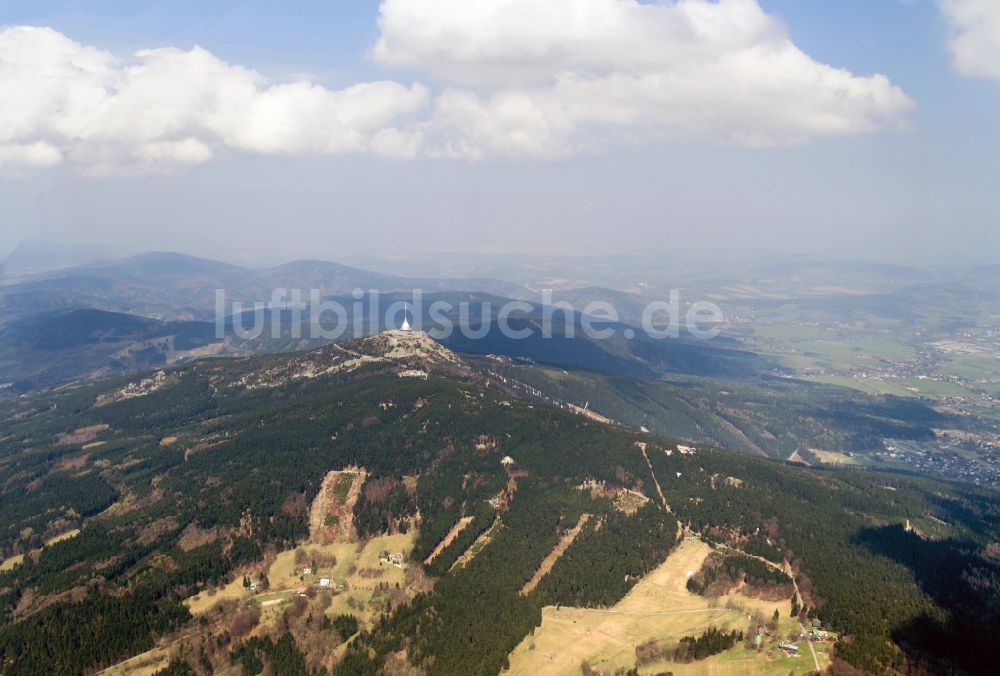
<point x="658" y="607"/>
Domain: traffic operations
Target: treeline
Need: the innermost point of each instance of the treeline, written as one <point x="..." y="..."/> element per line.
<point x="608" y="557"/>
<point x="111" y="624"/>
<point x="758" y="546"/>
<point x="689" y="648"/>
<point x="281" y="657"/>
<point x="956" y="574"/>
<point x="475" y="615"/>
<point x="384" y="506"/>
<point x="723" y="571"/>
<point x="98" y="631"/>
<point x="712" y="642"/>
<point x="818" y="516"/>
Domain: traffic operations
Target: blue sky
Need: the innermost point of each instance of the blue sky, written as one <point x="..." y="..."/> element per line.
<point x="900" y="170"/>
<point x="905" y="39"/>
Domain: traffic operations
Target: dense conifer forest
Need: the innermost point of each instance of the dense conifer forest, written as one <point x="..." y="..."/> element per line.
<point x="207" y="454"/>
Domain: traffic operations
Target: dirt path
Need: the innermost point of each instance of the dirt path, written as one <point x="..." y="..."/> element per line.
<point x="798" y="598"/>
<point x="448" y="539"/>
<point x="810" y="644"/>
<point x="655" y="613"/>
<point x="788" y="571"/>
<point x="550" y="559"/>
<point x="642" y="447"/>
<point x="783" y="567"/>
<point x="786" y="568"/>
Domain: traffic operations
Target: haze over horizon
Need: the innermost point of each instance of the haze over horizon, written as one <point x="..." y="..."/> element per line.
<point x="861" y="130"/>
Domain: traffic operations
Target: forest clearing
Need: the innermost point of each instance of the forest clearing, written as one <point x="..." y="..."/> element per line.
<point x="659" y="607"/>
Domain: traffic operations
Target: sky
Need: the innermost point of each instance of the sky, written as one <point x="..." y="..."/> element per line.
<point x="267" y="131"/>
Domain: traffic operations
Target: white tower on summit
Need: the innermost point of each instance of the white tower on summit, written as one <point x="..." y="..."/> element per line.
<point x="406" y="322"/>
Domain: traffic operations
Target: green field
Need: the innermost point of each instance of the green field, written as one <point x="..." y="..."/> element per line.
<point x="812" y="348"/>
<point x="900" y="387"/>
<point x="981" y="372"/>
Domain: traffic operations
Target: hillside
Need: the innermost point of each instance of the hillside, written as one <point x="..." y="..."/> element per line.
<point x="710" y="391"/>
<point x="185" y="481"/>
<point x="763" y="415"/>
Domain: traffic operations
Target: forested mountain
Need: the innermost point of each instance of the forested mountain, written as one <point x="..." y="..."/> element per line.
<point x="707" y="391"/>
<point x="762" y="415"/>
<point x="194" y="477"/>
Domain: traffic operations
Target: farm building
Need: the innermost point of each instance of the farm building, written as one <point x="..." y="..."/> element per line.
<point x="789" y="648"/>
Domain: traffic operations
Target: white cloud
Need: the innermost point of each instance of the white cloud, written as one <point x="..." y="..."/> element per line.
<point x="518" y="78"/>
<point x="171" y="108"/>
<point x="547" y="78"/>
<point x="975" y="36"/>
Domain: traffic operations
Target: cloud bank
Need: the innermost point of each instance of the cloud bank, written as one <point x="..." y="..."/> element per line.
<point x="169" y="108"/>
<point x="975" y="36"/>
<point x="549" y="78"/>
<point x="513" y="78"/>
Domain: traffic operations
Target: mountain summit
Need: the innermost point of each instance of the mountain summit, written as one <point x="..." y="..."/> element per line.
<point x="406" y="353"/>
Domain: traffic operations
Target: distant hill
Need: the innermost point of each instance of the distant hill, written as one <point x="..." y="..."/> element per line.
<point x="177" y="286"/>
<point x="52" y="347"/>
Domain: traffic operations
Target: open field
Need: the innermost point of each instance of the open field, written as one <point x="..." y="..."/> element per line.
<point x="19" y="558"/>
<point x="976" y="368"/>
<point x="62" y="536"/>
<point x="740" y="662"/>
<point x="355" y="575"/>
<point x="808" y="347"/>
<point x="361" y="585"/>
<point x="659" y="607"/>
<point x="11" y="562"/>
<point x="866" y="385"/>
<point x="833" y="458"/>
<point x="934" y="386"/>
<point x="144" y="664"/>
<point x="831" y="355"/>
